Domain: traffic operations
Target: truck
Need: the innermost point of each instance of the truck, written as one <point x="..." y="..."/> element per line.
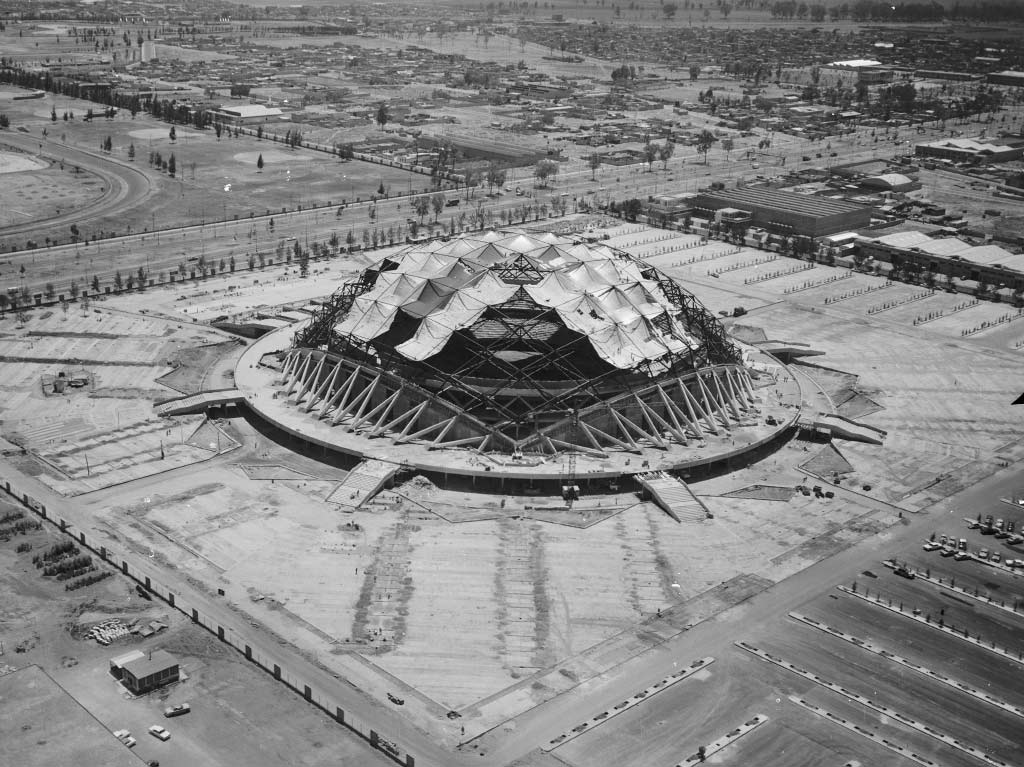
<point x="904" y="572"/>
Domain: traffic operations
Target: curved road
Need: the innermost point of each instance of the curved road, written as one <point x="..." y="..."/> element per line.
<point x="126" y="186"/>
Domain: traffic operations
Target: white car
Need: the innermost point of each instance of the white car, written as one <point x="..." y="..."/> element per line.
<point x="121" y="734"/>
<point x="129" y="741"/>
<point x="931" y="546"/>
<point x="159" y="732"/>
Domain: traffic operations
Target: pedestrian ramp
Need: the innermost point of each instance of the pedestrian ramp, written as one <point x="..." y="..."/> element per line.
<point x="362" y="483"/>
<point x="199" y="403"/>
<point x="846" y="428"/>
<point x="674" y="496"/>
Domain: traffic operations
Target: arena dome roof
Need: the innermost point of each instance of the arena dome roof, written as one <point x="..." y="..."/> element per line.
<point x="495" y="339"/>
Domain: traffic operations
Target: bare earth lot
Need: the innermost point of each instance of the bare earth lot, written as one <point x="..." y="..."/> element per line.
<point x="493" y="618"/>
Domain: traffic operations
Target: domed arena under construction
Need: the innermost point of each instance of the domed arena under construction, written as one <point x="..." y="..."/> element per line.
<point x="508" y="354"/>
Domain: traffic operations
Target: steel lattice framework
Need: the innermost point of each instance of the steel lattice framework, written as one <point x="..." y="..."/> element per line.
<point x="517" y="375"/>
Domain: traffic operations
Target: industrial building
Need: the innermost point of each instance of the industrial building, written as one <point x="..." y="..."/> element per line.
<point x="947" y="257"/>
<point x="501" y="151"/>
<point x="1006" y="77"/>
<point x="971" y="150"/>
<point x="786" y="212"/>
<point x="247" y="114"/>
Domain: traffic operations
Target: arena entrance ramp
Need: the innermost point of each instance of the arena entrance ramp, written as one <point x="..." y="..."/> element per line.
<point x="674" y="496"/>
<point x="362" y="483"/>
<point x="846" y="428"/>
<point x="199" y="403"/>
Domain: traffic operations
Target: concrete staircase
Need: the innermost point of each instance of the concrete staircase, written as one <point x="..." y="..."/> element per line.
<point x="674" y="496"/>
<point x="362" y="483"/>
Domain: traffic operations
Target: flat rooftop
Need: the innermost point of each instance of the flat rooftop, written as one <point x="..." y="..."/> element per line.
<point x="40" y="723"/>
<point x="787" y="201"/>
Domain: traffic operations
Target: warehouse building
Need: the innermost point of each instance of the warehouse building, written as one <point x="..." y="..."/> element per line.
<point x="947" y="256"/>
<point x="247" y="114"/>
<point x="971" y="150"/>
<point x="481" y="147"/>
<point x="1007" y="77"/>
<point x="786" y="212"/>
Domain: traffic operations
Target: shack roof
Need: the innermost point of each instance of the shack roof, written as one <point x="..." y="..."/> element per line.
<point x="155" y="662"/>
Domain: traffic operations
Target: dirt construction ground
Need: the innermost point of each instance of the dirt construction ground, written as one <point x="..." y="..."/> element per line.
<point x="486" y="617"/>
<point x="239" y="714"/>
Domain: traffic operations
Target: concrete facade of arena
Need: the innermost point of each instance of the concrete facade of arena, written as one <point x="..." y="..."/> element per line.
<point x="787" y="212"/>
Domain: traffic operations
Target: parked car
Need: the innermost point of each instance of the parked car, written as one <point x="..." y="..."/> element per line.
<point x="178" y="710"/>
<point x="931" y="546"/>
<point x="159" y="732"/>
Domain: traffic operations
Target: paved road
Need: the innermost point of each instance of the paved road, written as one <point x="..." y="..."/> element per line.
<point x="576" y="186"/>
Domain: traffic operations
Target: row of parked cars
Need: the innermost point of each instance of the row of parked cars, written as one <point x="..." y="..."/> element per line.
<point x="957" y="548"/>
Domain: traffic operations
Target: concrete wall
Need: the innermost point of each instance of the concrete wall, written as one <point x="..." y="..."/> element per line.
<point x="232" y="635"/>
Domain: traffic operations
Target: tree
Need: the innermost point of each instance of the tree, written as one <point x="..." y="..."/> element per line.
<point x="3" y="303"/>
<point x="632" y="208"/>
<point x="704" y="142"/>
<point x="669" y="9"/>
<point x="383" y="117"/>
<point x="118" y="281"/>
<point x="141" y="278"/>
<point x="421" y="205"/>
<point x="650" y="154"/>
<point x="594" y="161"/>
<point x="53" y="114"/>
<point x="131" y="152"/>
<point x="728" y="145"/>
<point x="173" y="134"/>
<point x="665" y="152"/>
<point x="495" y="176"/>
<point x="437" y="202"/>
<point x="725" y="9"/>
<point x="545" y="169"/>
<point x="49" y="291"/>
<point x="95" y="284"/>
<point x="172" y="166"/>
<point x="259" y="163"/>
<point x="73" y="290"/>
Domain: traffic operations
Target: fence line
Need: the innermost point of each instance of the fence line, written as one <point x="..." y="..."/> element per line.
<point x="226" y="634"/>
